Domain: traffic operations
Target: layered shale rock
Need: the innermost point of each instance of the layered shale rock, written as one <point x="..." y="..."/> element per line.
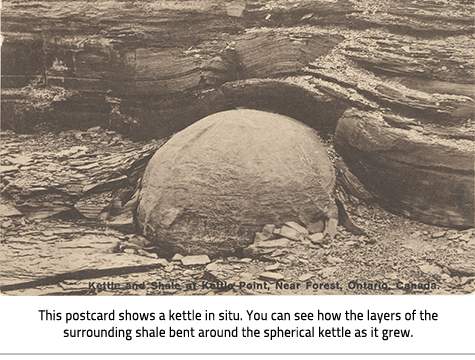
<point x="427" y="176"/>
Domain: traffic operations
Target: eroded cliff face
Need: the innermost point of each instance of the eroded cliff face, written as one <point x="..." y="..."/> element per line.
<point x="151" y="68"/>
<point x="388" y="85"/>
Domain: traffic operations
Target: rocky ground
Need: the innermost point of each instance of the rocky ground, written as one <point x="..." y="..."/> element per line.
<point x="152" y="68"/>
<point x="62" y="234"/>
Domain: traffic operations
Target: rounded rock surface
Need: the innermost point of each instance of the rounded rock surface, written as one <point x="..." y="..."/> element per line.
<point x="212" y="185"/>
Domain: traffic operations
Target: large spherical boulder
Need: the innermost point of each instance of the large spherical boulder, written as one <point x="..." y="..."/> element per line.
<point x="224" y="177"/>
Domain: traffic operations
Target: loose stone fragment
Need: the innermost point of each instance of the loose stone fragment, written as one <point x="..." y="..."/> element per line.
<point x="94" y="129"/>
<point x="140" y="241"/>
<point x="168" y="268"/>
<point x="123" y="222"/>
<point x="307" y="16"/>
<point x="9" y="210"/>
<point x="212" y="267"/>
<point x="272" y="267"/>
<point x="211" y="275"/>
<point x="274" y="243"/>
<point x="8" y="168"/>
<point x="316" y="227"/>
<point x="431" y="269"/>
<point x="87" y="167"/>
<point x="50" y="238"/>
<point x="195" y="260"/>
<point x="271" y="276"/>
<point x="327" y="272"/>
<point x="235" y="9"/>
<point x="290" y="233"/>
<point x="439" y="234"/>
<point x="291" y="257"/>
<point x="306" y="277"/>
<point x="266" y="251"/>
<point x="177" y="257"/>
<point x="130" y="251"/>
<point x="6" y="223"/>
<point x="147" y="254"/>
<point x="261" y="236"/>
<point x="268" y="229"/>
<point x="316" y="238"/>
<point x="246" y="276"/>
<point x="297" y="227"/>
<point x="278" y="252"/>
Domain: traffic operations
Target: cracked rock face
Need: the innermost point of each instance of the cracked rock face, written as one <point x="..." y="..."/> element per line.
<point x="210" y="187"/>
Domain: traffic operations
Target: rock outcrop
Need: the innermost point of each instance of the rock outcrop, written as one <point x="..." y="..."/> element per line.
<point x="213" y="184"/>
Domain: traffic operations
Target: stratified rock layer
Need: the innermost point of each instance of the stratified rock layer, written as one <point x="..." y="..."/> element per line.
<point x="423" y="176"/>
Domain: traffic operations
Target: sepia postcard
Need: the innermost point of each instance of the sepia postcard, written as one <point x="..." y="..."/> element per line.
<point x="252" y="147"/>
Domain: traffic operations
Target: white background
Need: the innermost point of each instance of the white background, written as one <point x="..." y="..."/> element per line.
<point x="22" y="331"/>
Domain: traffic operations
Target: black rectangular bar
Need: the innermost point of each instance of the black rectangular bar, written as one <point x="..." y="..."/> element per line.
<point x="237" y="325"/>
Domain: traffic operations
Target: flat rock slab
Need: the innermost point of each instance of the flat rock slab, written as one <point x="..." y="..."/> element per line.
<point x="431" y="269"/>
<point x="291" y="233"/>
<point x="262" y="236"/>
<point x="279" y="252"/>
<point x="7" y="210"/>
<point x="272" y="267"/>
<point x="463" y="267"/>
<point x="268" y="229"/>
<point x="273" y="243"/>
<point x="306" y="277"/>
<point x="316" y="238"/>
<point x="297" y="227"/>
<point x="195" y="260"/>
<point x="334" y="260"/>
<point x="271" y="276"/>
<point x="8" y="169"/>
<point x="30" y="259"/>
